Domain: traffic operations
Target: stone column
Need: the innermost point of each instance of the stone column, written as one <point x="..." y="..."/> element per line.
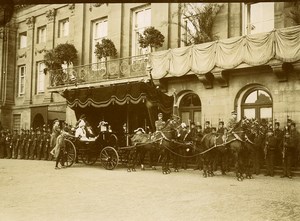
<point x="29" y="61"/>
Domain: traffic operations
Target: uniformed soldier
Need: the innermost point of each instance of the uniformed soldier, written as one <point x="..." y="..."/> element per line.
<point x="278" y="133"/>
<point x="32" y="144"/>
<point x="8" y="144"/>
<point x="289" y="142"/>
<point x="21" y="153"/>
<point x="182" y="133"/>
<point x="160" y="123"/>
<point x="232" y="121"/>
<point x="49" y="147"/>
<point x="222" y="152"/>
<point x="295" y="134"/>
<point x="198" y="137"/>
<point x="2" y="144"/>
<point x="39" y="145"/>
<point x="270" y="146"/>
<point x="15" y="144"/>
<point x="207" y="128"/>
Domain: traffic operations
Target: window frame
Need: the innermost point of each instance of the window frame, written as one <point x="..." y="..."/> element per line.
<point x="246" y="17"/>
<point x="42" y="34"/>
<point x="21" y="80"/>
<point x="136" y="49"/>
<point x="39" y="79"/>
<point x="22" y="44"/>
<point x="256" y="107"/>
<point x="61" y="27"/>
<point x="96" y="38"/>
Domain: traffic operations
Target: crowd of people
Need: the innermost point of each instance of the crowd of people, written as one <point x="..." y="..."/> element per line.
<point x="271" y="146"/>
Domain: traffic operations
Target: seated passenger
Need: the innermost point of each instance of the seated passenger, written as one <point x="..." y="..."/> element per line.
<point x="81" y="133"/>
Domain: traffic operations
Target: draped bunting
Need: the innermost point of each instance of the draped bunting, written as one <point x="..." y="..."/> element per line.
<point x="258" y="49"/>
<point x="120" y="94"/>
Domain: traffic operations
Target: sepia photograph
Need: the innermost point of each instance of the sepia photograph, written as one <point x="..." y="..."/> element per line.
<point x="149" y="110"/>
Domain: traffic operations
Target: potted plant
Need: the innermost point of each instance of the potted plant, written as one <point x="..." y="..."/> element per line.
<point x="60" y="58"/>
<point x="105" y="49"/>
<point x="151" y="38"/>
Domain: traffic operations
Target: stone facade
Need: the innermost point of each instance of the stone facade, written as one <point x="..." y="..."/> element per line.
<point x="216" y="102"/>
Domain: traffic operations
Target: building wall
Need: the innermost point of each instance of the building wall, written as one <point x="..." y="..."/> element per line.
<point x="120" y="18"/>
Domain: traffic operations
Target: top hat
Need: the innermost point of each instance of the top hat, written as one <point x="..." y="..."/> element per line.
<point x="221" y="122"/>
<point x="277" y="123"/>
<point x="207" y="122"/>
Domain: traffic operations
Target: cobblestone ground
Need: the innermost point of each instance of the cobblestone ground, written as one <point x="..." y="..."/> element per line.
<point x="33" y="190"/>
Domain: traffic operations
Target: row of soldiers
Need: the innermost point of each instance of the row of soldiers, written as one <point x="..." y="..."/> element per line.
<point x="28" y="144"/>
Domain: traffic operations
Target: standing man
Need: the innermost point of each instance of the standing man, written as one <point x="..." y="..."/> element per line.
<point x="15" y="144"/>
<point x="160" y="123"/>
<point x="278" y="133"/>
<point x="55" y="133"/>
<point x="289" y="142"/>
<point x="270" y="145"/>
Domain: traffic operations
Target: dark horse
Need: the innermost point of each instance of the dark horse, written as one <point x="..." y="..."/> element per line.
<point x="238" y="144"/>
<point x="161" y="141"/>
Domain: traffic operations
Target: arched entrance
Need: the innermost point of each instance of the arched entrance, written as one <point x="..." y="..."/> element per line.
<point x="38" y="121"/>
<point x="257" y="103"/>
<point x="190" y="108"/>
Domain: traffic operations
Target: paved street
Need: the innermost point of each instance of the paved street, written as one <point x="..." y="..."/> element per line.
<point x="33" y="190"/>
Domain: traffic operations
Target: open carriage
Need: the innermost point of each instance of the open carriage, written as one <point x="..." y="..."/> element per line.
<point x="134" y="104"/>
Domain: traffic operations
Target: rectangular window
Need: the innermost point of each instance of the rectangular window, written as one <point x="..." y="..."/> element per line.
<point x="17" y="122"/>
<point x="23" y="40"/>
<point x="100" y="31"/>
<point x="258" y="17"/>
<point x="141" y="20"/>
<point x="63" y="28"/>
<point x="41" y="34"/>
<point x="22" y="74"/>
<point x="40" y="77"/>
<point x="190" y="20"/>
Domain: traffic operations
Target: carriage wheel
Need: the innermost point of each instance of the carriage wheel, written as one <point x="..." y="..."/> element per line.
<point x="109" y="158"/>
<point x="70" y="152"/>
<point x="89" y="157"/>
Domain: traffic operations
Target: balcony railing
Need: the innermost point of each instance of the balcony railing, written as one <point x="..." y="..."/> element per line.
<point x="116" y="69"/>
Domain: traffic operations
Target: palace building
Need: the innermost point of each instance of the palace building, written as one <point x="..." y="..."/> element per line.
<point x="252" y="66"/>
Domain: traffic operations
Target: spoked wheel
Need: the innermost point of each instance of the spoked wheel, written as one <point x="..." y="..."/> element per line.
<point x="89" y="157"/>
<point x="70" y="152"/>
<point x="109" y="158"/>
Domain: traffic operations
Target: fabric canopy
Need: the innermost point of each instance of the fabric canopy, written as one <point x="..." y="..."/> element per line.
<point x="258" y="49"/>
<point x="119" y="94"/>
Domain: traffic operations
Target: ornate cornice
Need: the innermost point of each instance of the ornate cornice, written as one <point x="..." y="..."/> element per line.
<point x="40" y="50"/>
<point x="30" y="21"/>
<point x="50" y="14"/>
<point x="206" y="79"/>
<point x="221" y="77"/>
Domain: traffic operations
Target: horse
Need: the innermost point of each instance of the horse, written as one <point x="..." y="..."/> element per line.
<point x="236" y="143"/>
<point x="142" y="144"/>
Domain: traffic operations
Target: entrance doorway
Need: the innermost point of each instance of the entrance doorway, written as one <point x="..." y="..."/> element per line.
<point x="190" y="108"/>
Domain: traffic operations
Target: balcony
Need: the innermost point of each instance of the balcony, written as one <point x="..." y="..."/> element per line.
<point x="111" y="71"/>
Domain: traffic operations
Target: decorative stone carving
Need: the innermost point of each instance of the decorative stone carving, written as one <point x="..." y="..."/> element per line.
<point x="40" y="50"/>
<point x="22" y="55"/>
<point x="206" y="79"/>
<point x="280" y="73"/>
<point x="72" y="7"/>
<point x="50" y="14"/>
<point x="296" y="68"/>
<point x="222" y="78"/>
<point x="30" y="21"/>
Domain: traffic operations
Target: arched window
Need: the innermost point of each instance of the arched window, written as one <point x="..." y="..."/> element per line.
<point x="190" y="108"/>
<point x="257" y="103"/>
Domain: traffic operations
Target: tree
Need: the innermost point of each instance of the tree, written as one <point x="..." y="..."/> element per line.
<point x="198" y="22"/>
<point x="62" y="53"/>
<point x="152" y="38"/>
<point x="105" y="49"/>
<point x="294" y="13"/>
